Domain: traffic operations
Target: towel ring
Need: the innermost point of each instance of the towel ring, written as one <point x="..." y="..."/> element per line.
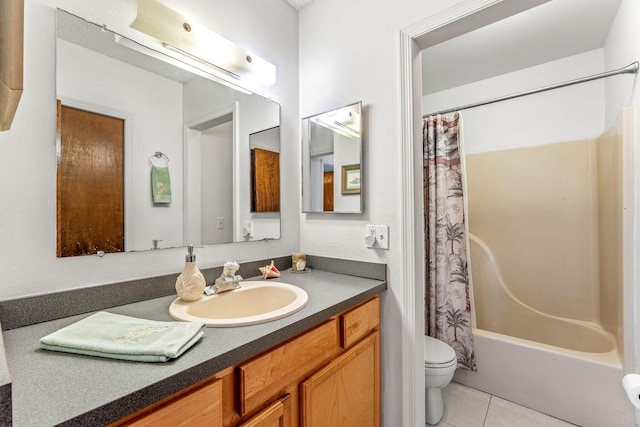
<point x="158" y="155"/>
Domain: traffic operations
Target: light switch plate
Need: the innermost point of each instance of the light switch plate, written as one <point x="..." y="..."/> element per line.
<point x="381" y="233"/>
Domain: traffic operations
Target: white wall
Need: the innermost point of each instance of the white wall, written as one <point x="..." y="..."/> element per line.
<point x="27" y="168"/>
<point x="217" y="191"/>
<point x="350" y="51"/>
<point x="567" y="114"/>
<point x="346" y="151"/>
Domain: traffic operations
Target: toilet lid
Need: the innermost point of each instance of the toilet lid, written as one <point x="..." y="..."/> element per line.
<point x="437" y="352"/>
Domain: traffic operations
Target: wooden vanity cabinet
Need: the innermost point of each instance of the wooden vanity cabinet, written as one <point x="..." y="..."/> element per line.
<point x="332" y="373"/>
<point x="199" y="407"/>
<point x="327" y="376"/>
<point x="346" y="392"/>
<point x="280" y="370"/>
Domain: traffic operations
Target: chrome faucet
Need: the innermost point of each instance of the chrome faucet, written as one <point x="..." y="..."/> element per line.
<point x="227" y="281"/>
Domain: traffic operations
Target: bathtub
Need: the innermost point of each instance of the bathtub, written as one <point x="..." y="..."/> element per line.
<point x="566" y="368"/>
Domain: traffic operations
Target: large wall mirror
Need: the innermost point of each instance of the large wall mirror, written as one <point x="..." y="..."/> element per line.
<point x="332" y="161"/>
<point x="153" y="155"/>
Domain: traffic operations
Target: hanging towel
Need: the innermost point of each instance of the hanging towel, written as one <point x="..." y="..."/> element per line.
<point x="114" y="336"/>
<point x="160" y="184"/>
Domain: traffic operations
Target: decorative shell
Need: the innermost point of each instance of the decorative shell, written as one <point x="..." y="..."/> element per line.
<point x="269" y="271"/>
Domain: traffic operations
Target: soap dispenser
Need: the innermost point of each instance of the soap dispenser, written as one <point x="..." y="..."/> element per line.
<point x="190" y="283"/>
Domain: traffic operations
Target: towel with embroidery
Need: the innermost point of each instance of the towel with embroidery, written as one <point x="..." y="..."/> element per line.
<point x="115" y="336"/>
<point x="160" y="185"/>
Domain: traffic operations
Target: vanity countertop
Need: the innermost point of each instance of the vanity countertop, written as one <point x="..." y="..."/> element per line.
<point x="51" y="388"/>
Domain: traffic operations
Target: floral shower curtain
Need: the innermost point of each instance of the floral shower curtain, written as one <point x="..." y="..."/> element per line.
<point x="447" y="301"/>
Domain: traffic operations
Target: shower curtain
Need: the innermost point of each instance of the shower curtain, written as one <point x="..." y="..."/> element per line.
<point x="447" y="301"/>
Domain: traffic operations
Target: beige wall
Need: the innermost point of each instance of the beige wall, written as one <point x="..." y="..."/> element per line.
<point x="538" y="210"/>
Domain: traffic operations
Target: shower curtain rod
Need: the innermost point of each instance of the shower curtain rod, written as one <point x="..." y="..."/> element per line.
<point x="629" y="69"/>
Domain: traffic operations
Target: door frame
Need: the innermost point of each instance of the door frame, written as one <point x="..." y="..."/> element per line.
<point x="465" y="16"/>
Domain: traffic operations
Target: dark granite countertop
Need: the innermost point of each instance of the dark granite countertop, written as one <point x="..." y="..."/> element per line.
<point x="50" y="388"/>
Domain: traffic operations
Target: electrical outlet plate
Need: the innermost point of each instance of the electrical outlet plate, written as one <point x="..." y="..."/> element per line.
<point x="247" y="228"/>
<point x="381" y="233"/>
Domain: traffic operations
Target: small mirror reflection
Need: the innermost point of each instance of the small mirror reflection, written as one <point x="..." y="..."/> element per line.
<point x="331" y="161"/>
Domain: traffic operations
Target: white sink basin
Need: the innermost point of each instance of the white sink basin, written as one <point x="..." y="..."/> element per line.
<point x="255" y="302"/>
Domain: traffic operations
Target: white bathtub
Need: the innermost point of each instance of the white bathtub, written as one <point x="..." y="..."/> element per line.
<point x="562" y="367"/>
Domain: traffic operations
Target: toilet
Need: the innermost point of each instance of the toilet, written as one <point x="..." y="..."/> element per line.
<point x="439" y="366"/>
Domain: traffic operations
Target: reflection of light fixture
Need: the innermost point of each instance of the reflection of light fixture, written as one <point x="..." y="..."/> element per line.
<point x="182" y="62"/>
<point x="344" y="121"/>
<point x="197" y="42"/>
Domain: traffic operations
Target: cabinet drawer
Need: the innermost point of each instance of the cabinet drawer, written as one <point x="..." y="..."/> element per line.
<point x="200" y="407"/>
<point x="266" y="376"/>
<point x="275" y="415"/>
<point x="358" y="322"/>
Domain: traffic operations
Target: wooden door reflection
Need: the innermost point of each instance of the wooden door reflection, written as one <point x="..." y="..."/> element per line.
<point x="90" y="183"/>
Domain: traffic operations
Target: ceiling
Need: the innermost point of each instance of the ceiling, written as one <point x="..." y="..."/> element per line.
<point x="551" y="31"/>
<point x="299" y="4"/>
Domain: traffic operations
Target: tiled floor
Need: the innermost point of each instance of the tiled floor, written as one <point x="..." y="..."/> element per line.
<point x="468" y="407"/>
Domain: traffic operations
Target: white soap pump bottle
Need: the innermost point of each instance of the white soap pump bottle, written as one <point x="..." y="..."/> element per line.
<point x="190" y="283"/>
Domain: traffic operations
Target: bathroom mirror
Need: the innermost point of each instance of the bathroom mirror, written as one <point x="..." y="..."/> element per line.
<point x="332" y="161"/>
<point x="172" y="119"/>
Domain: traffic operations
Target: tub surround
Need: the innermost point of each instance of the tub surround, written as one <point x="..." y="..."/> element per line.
<point x="577" y="388"/>
<point x="65" y="389"/>
<point x="557" y="329"/>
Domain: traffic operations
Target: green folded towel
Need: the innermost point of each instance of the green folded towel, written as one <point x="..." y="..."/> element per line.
<point x="160" y="184"/>
<point x="121" y="337"/>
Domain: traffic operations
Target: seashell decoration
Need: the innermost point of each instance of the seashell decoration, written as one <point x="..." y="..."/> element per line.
<point x="269" y="271"/>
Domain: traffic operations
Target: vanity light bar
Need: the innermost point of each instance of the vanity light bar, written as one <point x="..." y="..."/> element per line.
<point x="184" y="62"/>
<point x="181" y="34"/>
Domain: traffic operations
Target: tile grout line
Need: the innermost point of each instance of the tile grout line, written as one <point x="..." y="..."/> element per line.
<point x="486" y="414"/>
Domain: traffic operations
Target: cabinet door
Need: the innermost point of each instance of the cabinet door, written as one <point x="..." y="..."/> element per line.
<point x="198" y="408"/>
<point x="275" y="415"/>
<point x="346" y="392"/>
<point x="267" y="376"/>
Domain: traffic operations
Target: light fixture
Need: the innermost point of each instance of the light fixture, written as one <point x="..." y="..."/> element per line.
<point x="184" y="62"/>
<point x="344" y="121"/>
<point x="186" y="37"/>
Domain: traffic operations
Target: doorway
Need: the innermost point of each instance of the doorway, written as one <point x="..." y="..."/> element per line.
<point x="461" y="18"/>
